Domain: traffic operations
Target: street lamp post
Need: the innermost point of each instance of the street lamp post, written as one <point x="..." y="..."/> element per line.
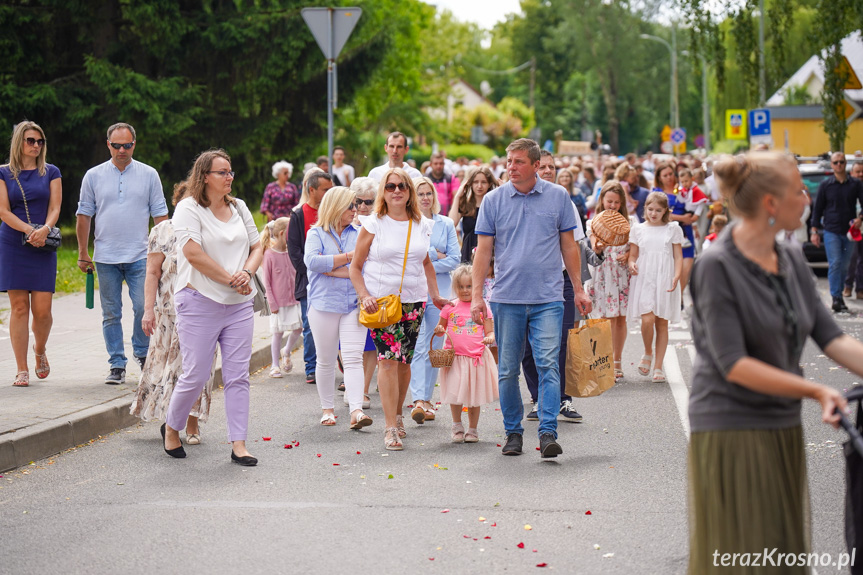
<point x="673" y="116"/>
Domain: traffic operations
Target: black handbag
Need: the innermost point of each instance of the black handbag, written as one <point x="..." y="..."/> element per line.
<point x="52" y="242"/>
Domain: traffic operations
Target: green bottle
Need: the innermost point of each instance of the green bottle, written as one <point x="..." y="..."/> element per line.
<point x="90" y="287"/>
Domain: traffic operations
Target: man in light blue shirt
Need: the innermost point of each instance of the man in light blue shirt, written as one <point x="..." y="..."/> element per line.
<point x="122" y="193"/>
<point x="529" y="224"/>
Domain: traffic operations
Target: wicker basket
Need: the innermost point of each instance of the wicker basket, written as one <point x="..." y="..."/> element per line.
<point x="441" y="357"/>
<point x="610" y="227"/>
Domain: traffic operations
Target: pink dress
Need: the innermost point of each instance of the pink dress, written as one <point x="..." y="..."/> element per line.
<point x="471" y="381"/>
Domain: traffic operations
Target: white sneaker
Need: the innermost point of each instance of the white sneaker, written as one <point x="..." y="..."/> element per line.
<point x="275" y="372"/>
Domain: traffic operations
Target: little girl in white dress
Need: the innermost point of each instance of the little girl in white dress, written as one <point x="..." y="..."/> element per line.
<point x="656" y="263"/>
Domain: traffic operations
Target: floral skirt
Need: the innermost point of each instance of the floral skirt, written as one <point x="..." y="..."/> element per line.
<point x="397" y="341"/>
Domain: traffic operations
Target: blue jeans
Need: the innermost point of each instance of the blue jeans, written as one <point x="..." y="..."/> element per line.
<point x="540" y="324"/>
<point x="111" y="278"/>
<point x="310" y="356"/>
<point x="569" y="318"/>
<point x="423" y="375"/>
<point x="838" y="250"/>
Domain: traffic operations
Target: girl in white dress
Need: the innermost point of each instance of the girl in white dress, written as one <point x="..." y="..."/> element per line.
<point x="656" y="263"/>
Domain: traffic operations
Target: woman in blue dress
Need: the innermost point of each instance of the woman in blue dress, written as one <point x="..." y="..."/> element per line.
<point x="30" y="195"/>
<point x="666" y="182"/>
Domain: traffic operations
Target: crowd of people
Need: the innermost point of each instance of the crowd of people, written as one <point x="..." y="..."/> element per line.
<point x="499" y="282"/>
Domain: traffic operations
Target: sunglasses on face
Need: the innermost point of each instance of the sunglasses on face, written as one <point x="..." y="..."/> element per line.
<point x="34" y="142"/>
<point x="351" y="207"/>
<point x="391" y="187"/>
<point x="124" y="146"/>
<point x="366" y="202"/>
<point x="223" y="173"/>
<point x="839" y="163"/>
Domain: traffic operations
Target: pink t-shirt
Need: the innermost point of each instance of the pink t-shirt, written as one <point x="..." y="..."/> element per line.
<point x="466" y="335"/>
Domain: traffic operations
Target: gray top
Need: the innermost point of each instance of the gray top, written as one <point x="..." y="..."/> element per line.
<point x="743" y="311"/>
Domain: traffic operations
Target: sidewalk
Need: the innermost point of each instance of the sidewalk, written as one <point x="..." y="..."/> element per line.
<point x="73" y="405"/>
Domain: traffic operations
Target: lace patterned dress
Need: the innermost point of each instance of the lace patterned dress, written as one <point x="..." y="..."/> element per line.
<point x="164" y="362"/>
<point x="609" y="285"/>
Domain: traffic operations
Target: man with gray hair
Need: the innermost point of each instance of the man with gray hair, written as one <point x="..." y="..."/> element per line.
<point x="123" y="194"/>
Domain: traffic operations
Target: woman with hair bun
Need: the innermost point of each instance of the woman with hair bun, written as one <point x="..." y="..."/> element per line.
<point x="755" y="305"/>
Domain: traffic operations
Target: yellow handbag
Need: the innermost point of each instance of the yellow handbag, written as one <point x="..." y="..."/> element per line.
<point x="390" y="306"/>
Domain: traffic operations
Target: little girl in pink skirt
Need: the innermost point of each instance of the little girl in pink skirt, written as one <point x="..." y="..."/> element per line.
<point x="471" y="381"/>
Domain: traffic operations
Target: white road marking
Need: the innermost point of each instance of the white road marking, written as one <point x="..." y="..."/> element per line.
<point x="678" y="335"/>
<point x="691" y="350"/>
<point x="678" y="387"/>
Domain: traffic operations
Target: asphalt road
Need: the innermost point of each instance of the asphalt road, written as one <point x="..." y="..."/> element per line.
<point x="338" y="501"/>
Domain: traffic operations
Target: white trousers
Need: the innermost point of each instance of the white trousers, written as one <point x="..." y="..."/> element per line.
<point x="328" y="329"/>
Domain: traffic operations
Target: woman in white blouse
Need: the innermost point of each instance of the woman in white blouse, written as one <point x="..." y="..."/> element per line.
<point x="218" y="250"/>
<point x="376" y="271"/>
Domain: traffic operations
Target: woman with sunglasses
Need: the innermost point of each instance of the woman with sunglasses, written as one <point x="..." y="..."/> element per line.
<point x="376" y="271"/>
<point x="333" y="304"/>
<point x="445" y="255"/>
<point x="218" y="250"/>
<point x="30" y="195"/>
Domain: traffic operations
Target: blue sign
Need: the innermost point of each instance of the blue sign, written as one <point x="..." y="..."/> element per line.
<point x="678" y="136"/>
<point x="759" y="122"/>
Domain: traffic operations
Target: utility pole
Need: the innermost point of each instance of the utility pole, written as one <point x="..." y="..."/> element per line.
<point x="674" y="74"/>
<point x="762" y="82"/>
<point x="532" y="82"/>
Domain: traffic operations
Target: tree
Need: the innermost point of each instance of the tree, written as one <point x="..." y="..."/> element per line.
<point x="246" y="75"/>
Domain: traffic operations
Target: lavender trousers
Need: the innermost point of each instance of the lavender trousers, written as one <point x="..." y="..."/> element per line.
<point x="201" y="323"/>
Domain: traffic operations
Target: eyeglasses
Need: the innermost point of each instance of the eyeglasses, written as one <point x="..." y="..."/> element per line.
<point x="128" y="146"/>
<point x="391" y="187"/>
<point x="366" y="202"/>
<point x="425" y="195"/>
<point x="351" y="207"/>
<point x="223" y="173"/>
<point x="838" y="163"/>
<point x="34" y="142"/>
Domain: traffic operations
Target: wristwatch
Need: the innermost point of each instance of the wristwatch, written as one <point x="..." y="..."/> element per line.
<point x="250" y="274"/>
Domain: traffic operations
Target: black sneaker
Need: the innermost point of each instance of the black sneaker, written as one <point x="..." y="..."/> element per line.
<point x="532" y="416"/>
<point x="568" y="412"/>
<point x="513" y="444"/>
<point x="141" y="361"/>
<point x="116" y="376"/>
<point x="548" y="446"/>
<point x="839" y="305"/>
<point x="310" y="378"/>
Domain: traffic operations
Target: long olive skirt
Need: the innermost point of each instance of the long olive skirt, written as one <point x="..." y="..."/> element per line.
<point x="748" y="492"/>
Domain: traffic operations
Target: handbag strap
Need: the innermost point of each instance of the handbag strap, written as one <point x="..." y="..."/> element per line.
<point x="20" y="187"/>
<point x="407" y="246"/>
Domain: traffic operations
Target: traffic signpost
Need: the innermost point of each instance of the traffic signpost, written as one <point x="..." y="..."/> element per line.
<point x="735" y="124"/>
<point x="678" y="138"/>
<point x="760" y="131"/>
<point x="331" y="28"/>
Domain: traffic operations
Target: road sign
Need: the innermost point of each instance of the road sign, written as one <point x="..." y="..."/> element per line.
<point x="850" y="109"/>
<point x="666" y="133"/>
<point x="342" y="24"/>
<point x="331" y="28"/>
<point x="735" y="124"/>
<point x="759" y="122"/>
<point x="666" y="147"/>
<point x="844" y="69"/>
<point x="678" y="136"/>
<point x="699" y="141"/>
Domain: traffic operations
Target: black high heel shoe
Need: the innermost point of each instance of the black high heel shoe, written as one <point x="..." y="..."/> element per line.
<point x="177" y="452"/>
<point x="246" y="460"/>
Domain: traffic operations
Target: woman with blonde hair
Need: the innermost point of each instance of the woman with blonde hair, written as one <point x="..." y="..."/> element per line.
<point x="755" y="307"/>
<point x="31" y="191"/>
<point x="445" y="254"/>
<point x="392" y="258"/>
<point x="218" y="252"/>
<point x="333" y="304"/>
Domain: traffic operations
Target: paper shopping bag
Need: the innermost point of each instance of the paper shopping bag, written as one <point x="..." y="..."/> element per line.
<point x="589" y="362"/>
